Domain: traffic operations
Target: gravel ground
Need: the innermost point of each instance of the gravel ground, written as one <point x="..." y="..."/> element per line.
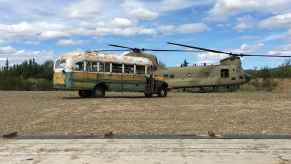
<point x="53" y="113"/>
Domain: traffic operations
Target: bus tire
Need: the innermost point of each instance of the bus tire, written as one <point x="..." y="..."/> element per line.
<point x="148" y="95"/>
<point x="84" y="93"/>
<point x="163" y="92"/>
<point x="99" y="92"/>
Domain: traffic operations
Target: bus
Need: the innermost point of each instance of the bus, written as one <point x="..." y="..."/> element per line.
<point x="92" y="74"/>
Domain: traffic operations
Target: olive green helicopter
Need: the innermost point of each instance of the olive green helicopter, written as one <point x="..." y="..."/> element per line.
<point x="228" y="75"/>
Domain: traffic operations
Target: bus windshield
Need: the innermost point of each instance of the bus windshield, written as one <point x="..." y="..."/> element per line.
<point x="60" y="64"/>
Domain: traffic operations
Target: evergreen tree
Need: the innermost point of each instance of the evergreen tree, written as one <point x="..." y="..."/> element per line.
<point x="6" y="64"/>
<point x="185" y="63"/>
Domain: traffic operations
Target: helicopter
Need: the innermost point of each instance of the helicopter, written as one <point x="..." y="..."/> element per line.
<point x="228" y="75"/>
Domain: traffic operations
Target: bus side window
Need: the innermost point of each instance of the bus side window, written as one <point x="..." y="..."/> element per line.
<point x="104" y="67"/>
<point x="94" y="67"/>
<point x="140" y="69"/>
<point x="116" y="68"/>
<point x="79" y="66"/>
<point x="91" y="66"/>
<point x="128" y="69"/>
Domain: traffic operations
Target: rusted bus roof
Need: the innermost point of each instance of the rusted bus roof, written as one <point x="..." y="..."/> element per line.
<point x="94" y="56"/>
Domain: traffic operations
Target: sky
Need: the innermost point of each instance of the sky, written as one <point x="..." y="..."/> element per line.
<point x="46" y="29"/>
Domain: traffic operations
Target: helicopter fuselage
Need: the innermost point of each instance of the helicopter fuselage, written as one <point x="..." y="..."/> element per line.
<point x="228" y="75"/>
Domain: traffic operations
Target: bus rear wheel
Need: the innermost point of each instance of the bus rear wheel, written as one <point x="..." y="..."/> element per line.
<point x="84" y="93"/>
<point x="99" y="92"/>
<point x="163" y="92"/>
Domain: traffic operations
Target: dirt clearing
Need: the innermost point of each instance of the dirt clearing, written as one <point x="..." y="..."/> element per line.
<point x="46" y="113"/>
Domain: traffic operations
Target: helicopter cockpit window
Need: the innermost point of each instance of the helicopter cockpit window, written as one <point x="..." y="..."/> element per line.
<point x="224" y="73"/>
<point x="166" y="75"/>
<point x="140" y="69"/>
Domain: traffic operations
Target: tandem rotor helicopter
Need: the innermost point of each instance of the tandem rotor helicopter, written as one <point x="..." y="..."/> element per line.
<point x="93" y="73"/>
<point x="228" y="75"/>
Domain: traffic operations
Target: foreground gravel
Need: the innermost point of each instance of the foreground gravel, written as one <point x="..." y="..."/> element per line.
<point x="53" y="113"/>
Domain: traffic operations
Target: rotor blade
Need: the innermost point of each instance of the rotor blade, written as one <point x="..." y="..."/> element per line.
<point x="119" y="46"/>
<point x="201" y="49"/>
<point x="166" y="50"/>
<point x="229" y="53"/>
<point x="274" y="56"/>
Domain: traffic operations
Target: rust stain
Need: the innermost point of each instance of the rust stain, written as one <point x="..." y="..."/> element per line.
<point x="94" y="56"/>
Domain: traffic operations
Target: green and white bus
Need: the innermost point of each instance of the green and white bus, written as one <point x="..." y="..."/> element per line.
<point x="92" y="74"/>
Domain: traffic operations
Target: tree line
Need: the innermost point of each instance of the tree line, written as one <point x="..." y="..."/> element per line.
<point x="282" y="71"/>
<point x="28" y="75"/>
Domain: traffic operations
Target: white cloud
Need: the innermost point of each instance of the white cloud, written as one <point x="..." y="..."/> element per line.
<point x="33" y="30"/>
<point x="53" y="34"/>
<point x="170" y="5"/>
<point x="121" y="22"/>
<point x="277" y="36"/>
<point x="69" y="42"/>
<point x="183" y="28"/>
<point x="16" y="56"/>
<point x="84" y="9"/>
<point x="245" y="22"/>
<point x="282" y="20"/>
<point x="226" y="7"/>
<point x="144" y="14"/>
<point x="281" y="50"/>
<point x="247" y="48"/>
<point x="192" y="28"/>
<point x="7" y="50"/>
<point x="210" y="57"/>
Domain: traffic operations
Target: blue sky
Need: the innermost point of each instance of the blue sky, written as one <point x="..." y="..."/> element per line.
<point x="46" y="29"/>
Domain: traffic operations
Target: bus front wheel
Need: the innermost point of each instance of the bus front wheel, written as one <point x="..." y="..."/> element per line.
<point x="148" y="94"/>
<point x="163" y="92"/>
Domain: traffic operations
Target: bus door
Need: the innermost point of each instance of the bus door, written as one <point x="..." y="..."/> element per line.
<point x="78" y="76"/>
<point x="104" y="72"/>
<point x="131" y="81"/>
<point x="116" y="77"/>
<point x="91" y="73"/>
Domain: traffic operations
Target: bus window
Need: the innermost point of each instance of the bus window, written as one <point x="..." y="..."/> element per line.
<point x="104" y="67"/>
<point x="92" y="66"/>
<point x="79" y="66"/>
<point x="128" y="68"/>
<point x="116" y="68"/>
<point x="140" y="69"/>
<point x="60" y="64"/>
